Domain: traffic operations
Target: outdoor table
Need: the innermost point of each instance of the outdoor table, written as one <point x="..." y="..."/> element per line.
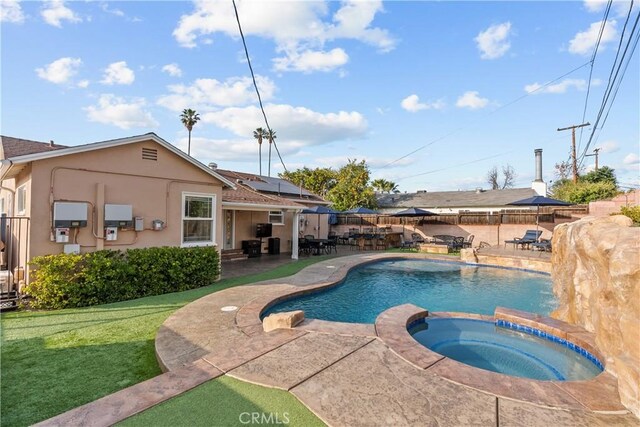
<point x="317" y="244"/>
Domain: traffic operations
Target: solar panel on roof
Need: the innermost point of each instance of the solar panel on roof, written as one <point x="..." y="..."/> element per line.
<point x="276" y="185"/>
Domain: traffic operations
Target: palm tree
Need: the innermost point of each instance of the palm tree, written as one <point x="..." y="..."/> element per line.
<point x="271" y="134"/>
<point x="258" y="134"/>
<point x="384" y="186"/>
<point x="189" y="118"/>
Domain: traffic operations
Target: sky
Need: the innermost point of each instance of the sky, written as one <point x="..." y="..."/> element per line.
<point x="431" y="94"/>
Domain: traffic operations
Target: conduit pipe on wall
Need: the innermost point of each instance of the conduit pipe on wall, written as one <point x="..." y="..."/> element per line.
<point x="168" y="186"/>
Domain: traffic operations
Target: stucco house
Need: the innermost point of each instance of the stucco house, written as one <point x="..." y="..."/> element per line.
<point x="132" y="192"/>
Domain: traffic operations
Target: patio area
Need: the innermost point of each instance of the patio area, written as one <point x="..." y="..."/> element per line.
<point x="347" y="374"/>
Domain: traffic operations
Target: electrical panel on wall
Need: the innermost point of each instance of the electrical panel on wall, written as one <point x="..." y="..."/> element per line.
<point x="70" y="214"/>
<point x="118" y="216"/>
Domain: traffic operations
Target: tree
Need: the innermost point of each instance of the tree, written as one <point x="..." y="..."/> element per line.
<point x="583" y="192"/>
<point x="258" y="134"/>
<point x="319" y="181"/>
<point x="189" y="118"/>
<point x="603" y="174"/>
<point x="562" y="170"/>
<point x="384" y="186"/>
<point x="508" y="177"/>
<point x="352" y="187"/>
<point x="271" y="134"/>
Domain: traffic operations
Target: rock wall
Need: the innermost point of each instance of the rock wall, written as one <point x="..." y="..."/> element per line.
<point x="596" y="277"/>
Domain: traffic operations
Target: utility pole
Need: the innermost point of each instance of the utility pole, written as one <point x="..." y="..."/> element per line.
<point x="595" y="151"/>
<point x="574" y="160"/>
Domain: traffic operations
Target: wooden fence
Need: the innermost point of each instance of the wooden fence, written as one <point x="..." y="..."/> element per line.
<point x="525" y="216"/>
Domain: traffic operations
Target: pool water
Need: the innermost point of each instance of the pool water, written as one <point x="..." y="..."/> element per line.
<point x="486" y="346"/>
<point x="371" y="289"/>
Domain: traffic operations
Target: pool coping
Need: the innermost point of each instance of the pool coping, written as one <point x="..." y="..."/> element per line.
<point x="391" y="328"/>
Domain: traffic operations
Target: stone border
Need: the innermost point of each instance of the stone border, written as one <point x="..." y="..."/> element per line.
<point x="598" y="394"/>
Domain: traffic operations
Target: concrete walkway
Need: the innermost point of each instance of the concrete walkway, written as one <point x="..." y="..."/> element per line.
<point x="345" y="373"/>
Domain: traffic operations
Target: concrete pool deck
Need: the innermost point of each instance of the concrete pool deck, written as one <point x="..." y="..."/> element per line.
<point x="347" y="374"/>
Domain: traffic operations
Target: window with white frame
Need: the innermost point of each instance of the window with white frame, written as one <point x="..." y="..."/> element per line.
<point x="21" y="196"/>
<point x="276" y="217"/>
<point x="198" y="219"/>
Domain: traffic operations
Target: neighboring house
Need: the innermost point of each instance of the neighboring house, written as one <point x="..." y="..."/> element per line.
<point x="453" y="202"/>
<point x="261" y="199"/>
<point x="148" y="192"/>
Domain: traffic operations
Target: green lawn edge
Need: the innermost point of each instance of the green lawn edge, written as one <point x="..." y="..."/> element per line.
<point x="53" y="361"/>
<point x="226" y="401"/>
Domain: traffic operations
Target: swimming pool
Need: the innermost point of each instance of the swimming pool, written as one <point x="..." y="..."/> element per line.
<point x="484" y="345"/>
<point x="369" y="290"/>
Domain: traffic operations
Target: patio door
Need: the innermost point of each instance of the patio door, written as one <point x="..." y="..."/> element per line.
<point x="229" y="229"/>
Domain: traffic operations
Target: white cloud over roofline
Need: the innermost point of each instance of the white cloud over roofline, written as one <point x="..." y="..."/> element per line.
<point x="120" y="112"/>
<point x="292" y="123"/>
<point x="208" y="94"/>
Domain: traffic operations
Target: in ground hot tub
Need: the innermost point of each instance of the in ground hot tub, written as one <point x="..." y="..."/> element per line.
<point x="483" y="344"/>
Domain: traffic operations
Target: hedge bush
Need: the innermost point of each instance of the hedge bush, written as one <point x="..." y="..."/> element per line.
<point x="632" y="212"/>
<point x="67" y="280"/>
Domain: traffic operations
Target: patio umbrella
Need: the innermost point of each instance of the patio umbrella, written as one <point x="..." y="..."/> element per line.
<point x="412" y="213"/>
<point x="539" y="201"/>
<point x="319" y="210"/>
<point x="361" y="211"/>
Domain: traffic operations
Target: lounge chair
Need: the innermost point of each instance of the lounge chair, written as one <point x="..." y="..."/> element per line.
<point x="543" y="245"/>
<point x="468" y="241"/>
<point x="417" y="237"/>
<point x="531" y="236"/>
<point x="406" y="244"/>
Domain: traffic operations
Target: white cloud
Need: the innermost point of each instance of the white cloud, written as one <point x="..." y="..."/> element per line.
<point x="60" y="70"/>
<point x="10" y="11"/>
<point x="298" y="124"/>
<point x="117" y="12"/>
<point x="173" y="70"/>
<point x="584" y="42"/>
<point x="297" y="22"/>
<point x="472" y="100"/>
<point x="608" y="147"/>
<point x="311" y="60"/>
<point x="301" y="31"/>
<point x="412" y="104"/>
<point x="561" y="87"/>
<point x="209" y="93"/>
<point x="493" y="42"/>
<point x="112" y="110"/>
<point x="372" y="162"/>
<point x="618" y="7"/>
<point x="631" y="159"/>
<point x="118" y="74"/>
<point x="55" y="11"/>
<point x="83" y="84"/>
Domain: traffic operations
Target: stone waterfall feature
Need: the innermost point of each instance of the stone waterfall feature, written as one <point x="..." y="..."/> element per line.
<point x="596" y="277"/>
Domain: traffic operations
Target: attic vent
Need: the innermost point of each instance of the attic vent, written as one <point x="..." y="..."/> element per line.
<point x="150" y="154"/>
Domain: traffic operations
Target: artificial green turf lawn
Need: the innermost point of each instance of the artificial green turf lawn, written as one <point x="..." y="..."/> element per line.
<point x="226" y="401"/>
<point x="53" y="361"/>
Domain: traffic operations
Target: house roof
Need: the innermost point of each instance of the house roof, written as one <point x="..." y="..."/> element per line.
<point x="13" y="147"/>
<point x="11" y="164"/>
<point x="272" y="186"/>
<point x="246" y="196"/>
<point x="454" y="199"/>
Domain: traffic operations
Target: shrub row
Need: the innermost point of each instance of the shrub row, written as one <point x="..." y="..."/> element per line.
<point x="67" y="280"/>
<point x="632" y="212"/>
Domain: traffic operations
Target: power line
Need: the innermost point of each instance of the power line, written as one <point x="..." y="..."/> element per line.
<point x="457" y="165"/>
<point x="593" y="59"/>
<point x="487" y="114"/>
<point x="255" y="85"/>
<point x="613" y="76"/>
